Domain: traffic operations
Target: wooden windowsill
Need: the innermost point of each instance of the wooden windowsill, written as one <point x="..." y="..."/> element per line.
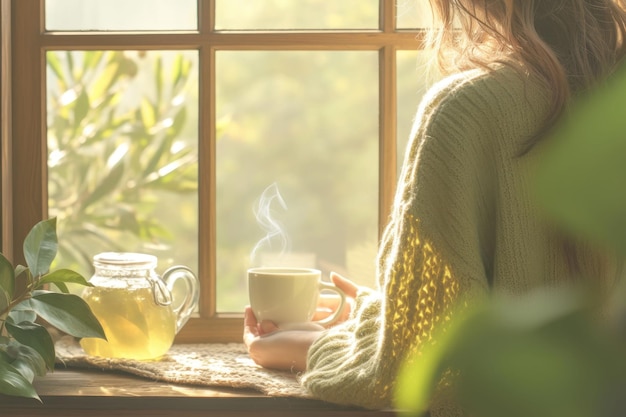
<point x="72" y="393"/>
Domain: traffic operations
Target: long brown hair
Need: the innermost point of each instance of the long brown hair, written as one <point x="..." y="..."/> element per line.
<point x="571" y="45"/>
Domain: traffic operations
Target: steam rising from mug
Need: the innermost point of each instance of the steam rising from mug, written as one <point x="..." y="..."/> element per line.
<point x="275" y="240"/>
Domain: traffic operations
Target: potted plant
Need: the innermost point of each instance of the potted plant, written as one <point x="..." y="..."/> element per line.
<point x="26" y="346"/>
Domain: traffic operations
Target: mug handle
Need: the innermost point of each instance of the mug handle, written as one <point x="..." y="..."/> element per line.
<point x="185" y="307"/>
<point x="342" y="301"/>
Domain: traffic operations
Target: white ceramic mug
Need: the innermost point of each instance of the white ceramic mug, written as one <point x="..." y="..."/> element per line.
<point x="289" y="296"/>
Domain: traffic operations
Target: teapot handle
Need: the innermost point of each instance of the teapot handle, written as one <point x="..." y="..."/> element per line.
<point x="184" y="301"/>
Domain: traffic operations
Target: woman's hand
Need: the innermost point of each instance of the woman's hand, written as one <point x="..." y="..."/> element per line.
<point x="329" y="303"/>
<point x="287" y="349"/>
<point x="274" y="348"/>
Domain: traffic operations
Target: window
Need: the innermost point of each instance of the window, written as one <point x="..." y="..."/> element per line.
<point x="168" y="134"/>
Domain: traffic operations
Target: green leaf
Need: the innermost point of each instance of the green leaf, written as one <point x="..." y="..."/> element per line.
<point x="7" y="281"/>
<point x="26" y="360"/>
<point x="62" y="287"/>
<point x="158" y="78"/>
<point x="415" y="381"/>
<point x="128" y="66"/>
<point x="583" y="171"/>
<point x="91" y="59"/>
<point x="23" y="275"/>
<point x="63" y="276"/>
<point x="152" y="164"/>
<point x="148" y="113"/>
<point x="7" y="276"/>
<point x="40" y="246"/>
<point x="69" y="57"/>
<point x="172" y="168"/>
<point x="107" y="186"/>
<point x="421" y="371"/>
<point x="22" y="312"/>
<point x="541" y="355"/>
<point x="81" y="108"/>
<point x="128" y="220"/>
<point x="55" y="65"/>
<point x="19" y="270"/>
<point x="177" y="69"/>
<point x="36" y="337"/>
<point x="13" y="383"/>
<point x="67" y="312"/>
<point x="179" y="122"/>
<point x="99" y="92"/>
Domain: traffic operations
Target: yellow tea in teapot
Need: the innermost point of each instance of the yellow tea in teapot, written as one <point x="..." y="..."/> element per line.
<point x="136" y="327"/>
<point x="135" y="306"/>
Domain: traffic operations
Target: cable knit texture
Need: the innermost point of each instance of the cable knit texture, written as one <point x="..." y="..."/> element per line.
<point x="464" y="222"/>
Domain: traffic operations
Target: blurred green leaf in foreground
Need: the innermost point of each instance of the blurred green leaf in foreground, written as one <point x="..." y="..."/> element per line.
<point x="582" y="180"/>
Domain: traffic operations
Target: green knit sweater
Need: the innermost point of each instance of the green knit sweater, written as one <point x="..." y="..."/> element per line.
<point x="464" y="222"/>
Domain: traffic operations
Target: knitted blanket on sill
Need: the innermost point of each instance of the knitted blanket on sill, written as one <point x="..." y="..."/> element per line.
<point x="214" y="365"/>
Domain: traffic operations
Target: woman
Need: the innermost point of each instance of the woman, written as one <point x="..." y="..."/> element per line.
<point x="464" y="221"/>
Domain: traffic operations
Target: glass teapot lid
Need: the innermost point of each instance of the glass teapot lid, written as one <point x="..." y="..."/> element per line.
<point x="132" y="264"/>
<point x="126" y="259"/>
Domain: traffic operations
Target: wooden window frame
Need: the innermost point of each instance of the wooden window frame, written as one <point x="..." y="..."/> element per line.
<point x="6" y="230"/>
<point x="24" y="140"/>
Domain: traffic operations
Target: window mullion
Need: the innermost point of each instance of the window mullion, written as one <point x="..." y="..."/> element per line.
<point x="206" y="181"/>
<point x="387" y="15"/>
<point x="206" y="16"/>
<point x="387" y="132"/>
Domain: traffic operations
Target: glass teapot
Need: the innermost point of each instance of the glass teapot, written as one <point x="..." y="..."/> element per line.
<point x="140" y="311"/>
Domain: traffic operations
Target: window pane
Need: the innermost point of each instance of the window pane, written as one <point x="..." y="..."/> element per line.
<point x="296" y="14"/>
<point x="304" y="124"/>
<point x="413" y="14"/>
<point x="123" y="15"/>
<point x="416" y="73"/>
<point x="122" y="154"/>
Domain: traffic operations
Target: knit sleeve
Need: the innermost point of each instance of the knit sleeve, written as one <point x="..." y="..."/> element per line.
<point x="434" y="249"/>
